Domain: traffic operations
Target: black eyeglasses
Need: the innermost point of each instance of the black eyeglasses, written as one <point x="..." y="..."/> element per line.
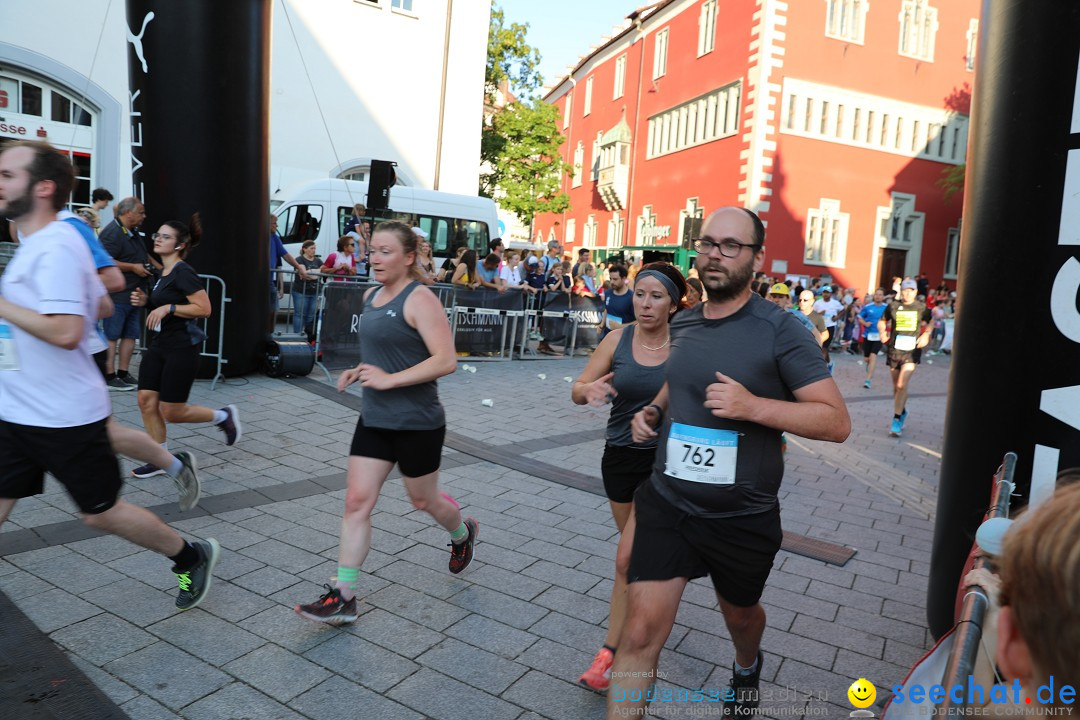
<point x="728" y="248"/>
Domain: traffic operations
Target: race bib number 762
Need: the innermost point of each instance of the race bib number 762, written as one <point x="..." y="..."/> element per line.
<point x="702" y="455"/>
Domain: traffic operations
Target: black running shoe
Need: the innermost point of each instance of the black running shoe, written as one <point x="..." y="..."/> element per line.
<point x="461" y="554"/>
<point x="329" y="608"/>
<point x="741" y="697"/>
<point x="195" y="582"/>
<point x="147" y="471"/>
<point x="231" y="425"/>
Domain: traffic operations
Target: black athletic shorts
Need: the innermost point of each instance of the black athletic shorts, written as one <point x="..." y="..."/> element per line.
<point x="899" y="358"/>
<point x="99" y="360"/>
<point x="624" y="467"/>
<point x="170" y="372"/>
<point x="870" y="347"/>
<point x="416" y="452"/>
<point x="80" y="457"/>
<point x="736" y="553"/>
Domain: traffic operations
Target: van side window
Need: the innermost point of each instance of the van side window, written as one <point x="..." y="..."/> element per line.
<point x="301" y="222"/>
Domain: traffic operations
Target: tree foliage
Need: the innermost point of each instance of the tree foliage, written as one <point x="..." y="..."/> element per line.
<point x="510" y="58"/>
<point x="521" y="147"/>
<point x="952" y="180"/>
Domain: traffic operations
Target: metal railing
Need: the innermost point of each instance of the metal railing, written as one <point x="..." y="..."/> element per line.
<point x="969" y="627"/>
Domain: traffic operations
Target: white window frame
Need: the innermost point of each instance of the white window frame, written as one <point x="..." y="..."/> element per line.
<point x="615" y="228"/>
<point x="567" y="109"/>
<point x="579" y="164"/>
<point x="709" y="117"/>
<point x="918" y="29"/>
<point x="589" y="238"/>
<point x="659" y="67"/>
<point x="825" y="251"/>
<point x="588" y="96"/>
<point x="596" y="157"/>
<point x="952" y="253"/>
<point x="568" y="236"/>
<point x="846" y="20"/>
<point x="620" y="77"/>
<point x="972" y="44"/>
<point x="645" y="219"/>
<point x="706" y="40"/>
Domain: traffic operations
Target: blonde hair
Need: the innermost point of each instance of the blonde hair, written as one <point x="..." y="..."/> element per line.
<point x="1040" y="581"/>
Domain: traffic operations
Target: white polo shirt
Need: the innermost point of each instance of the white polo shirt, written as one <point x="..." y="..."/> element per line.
<point x="52" y="273"/>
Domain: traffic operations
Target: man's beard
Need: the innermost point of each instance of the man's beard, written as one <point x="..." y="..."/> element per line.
<point x="16" y="208"/>
<point x="729" y="284"/>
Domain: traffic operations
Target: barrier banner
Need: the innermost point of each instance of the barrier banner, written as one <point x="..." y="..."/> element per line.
<point x="480" y="324"/>
<point x="588" y="312"/>
<point x="339" y="332"/>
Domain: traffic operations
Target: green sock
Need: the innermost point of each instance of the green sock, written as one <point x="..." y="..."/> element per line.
<point x="458" y="536"/>
<point x="346" y="581"/>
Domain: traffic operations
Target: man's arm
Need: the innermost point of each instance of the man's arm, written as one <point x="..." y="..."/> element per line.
<point x="300" y="269"/>
<point x="64" y="331"/>
<point x="818" y="413"/>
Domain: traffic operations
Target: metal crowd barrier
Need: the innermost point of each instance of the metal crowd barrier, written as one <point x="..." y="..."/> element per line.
<point x="7" y="251"/>
<point x="969" y="627"/>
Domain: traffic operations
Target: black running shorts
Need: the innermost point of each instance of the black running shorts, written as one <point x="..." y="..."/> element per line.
<point x="416" y="452"/>
<point x="80" y="457"/>
<point x="899" y="358"/>
<point x="170" y="372"/>
<point x="870" y="347"/>
<point x="736" y="552"/>
<point x="624" y="467"/>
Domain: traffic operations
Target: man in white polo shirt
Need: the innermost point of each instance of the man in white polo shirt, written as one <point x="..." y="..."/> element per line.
<point x="53" y="400"/>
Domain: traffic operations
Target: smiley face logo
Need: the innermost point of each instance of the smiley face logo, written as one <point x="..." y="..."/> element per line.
<point x="862" y="693"/>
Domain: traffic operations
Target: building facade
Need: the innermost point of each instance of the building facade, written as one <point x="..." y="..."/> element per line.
<point x="833" y="119"/>
<point x="395" y="80"/>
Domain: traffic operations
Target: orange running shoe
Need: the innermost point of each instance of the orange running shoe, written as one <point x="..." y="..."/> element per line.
<point x="598" y="676"/>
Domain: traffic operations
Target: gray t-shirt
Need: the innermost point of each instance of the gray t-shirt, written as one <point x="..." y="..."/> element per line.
<point x="635" y="386"/>
<point x="388" y="342"/>
<point x="771" y="354"/>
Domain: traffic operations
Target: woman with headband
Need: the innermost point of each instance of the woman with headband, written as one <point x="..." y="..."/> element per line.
<point x="627" y="370"/>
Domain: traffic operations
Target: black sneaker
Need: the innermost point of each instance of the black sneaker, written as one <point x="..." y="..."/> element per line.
<point x="187" y="481"/>
<point x="741" y="696"/>
<point x="118" y="385"/>
<point x="147" y="471"/>
<point x="128" y="378"/>
<point x="195" y="582"/>
<point x="329" y="608"/>
<point x="461" y="553"/>
<point x="231" y="425"/>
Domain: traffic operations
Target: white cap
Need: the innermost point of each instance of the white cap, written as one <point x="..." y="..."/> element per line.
<point x="420" y="232"/>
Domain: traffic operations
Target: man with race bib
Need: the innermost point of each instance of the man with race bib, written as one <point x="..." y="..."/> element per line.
<point x="905" y="329"/>
<point x="740" y="372"/>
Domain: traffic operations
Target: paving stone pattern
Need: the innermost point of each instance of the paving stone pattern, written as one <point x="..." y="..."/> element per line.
<point x="508" y="638"/>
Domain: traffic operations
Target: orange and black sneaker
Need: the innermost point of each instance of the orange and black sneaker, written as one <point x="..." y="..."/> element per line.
<point x="461" y="553"/>
<point x="329" y="608"/>
<point x="598" y="676"/>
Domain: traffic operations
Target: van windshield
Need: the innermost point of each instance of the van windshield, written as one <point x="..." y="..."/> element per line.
<point x="444" y="233"/>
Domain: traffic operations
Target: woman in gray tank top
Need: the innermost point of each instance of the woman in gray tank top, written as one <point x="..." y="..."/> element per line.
<point x="406" y="345"/>
<point x="627" y="370"/>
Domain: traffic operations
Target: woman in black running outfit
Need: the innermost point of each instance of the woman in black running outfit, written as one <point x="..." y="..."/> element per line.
<point x="627" y="370"/>
<point x="169" y="363"/>
<point x="406" y="345"/>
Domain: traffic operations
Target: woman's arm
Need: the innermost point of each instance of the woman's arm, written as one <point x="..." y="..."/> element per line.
<point x="594" y="384"/>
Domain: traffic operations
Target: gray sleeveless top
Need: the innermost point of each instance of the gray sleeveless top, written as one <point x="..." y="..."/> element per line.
<point x="636" y="386"/>
<point x="388" y="342"/>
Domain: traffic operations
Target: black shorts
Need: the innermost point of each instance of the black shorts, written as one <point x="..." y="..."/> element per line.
<point x="899" y="358"/>
<point x="870" y="347"/>
<point x="170" y="372"/>
<point x="624" y="467"/>
<point x="99" y="360"/>
<point x="416" y="452"/>
<point x="736" y="553"/>
<point x="80" y="457"/>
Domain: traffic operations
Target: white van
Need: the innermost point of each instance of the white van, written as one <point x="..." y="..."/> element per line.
<point x="318" y="211"/>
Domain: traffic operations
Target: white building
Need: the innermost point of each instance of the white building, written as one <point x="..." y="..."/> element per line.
<point x="376" y="67"/>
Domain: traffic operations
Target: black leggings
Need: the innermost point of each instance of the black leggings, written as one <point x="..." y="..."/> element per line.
<point x="170" y="372"/>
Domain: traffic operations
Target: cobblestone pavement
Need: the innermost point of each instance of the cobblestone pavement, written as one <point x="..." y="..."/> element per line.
<point x="507" y="638"/>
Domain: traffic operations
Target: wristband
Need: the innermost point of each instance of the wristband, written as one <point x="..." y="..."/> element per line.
<point x="659" y="411"/>
<point x="172" y="309"/>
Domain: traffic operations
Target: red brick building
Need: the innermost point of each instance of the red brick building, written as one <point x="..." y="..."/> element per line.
<point x="834" y="119"/>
